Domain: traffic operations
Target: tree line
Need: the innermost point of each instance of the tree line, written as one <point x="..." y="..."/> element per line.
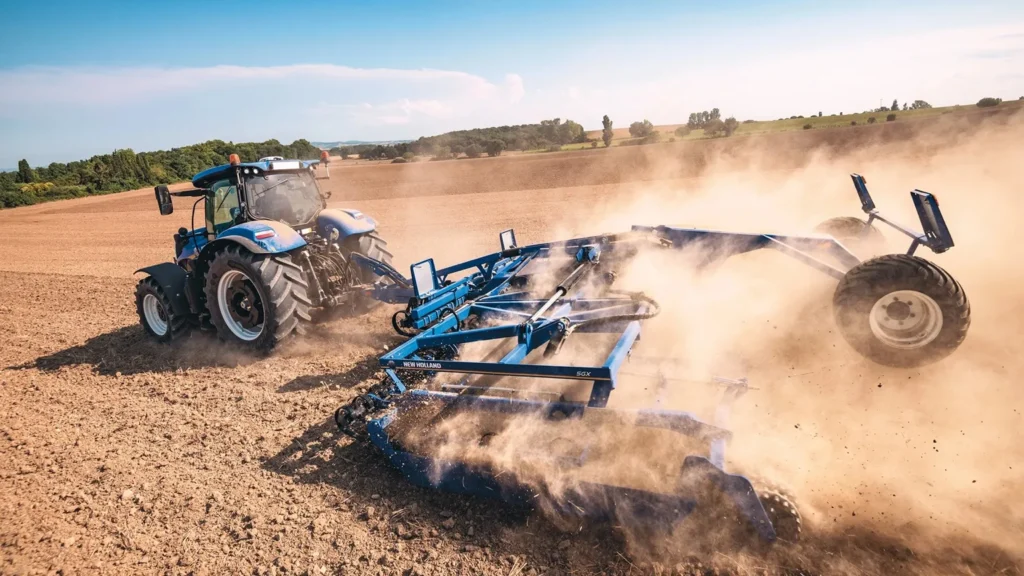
<point x="127" y="170"/>
<point x="479" y="141"/>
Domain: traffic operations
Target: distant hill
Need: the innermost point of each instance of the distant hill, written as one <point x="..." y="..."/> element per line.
<point x="329" y="145"/>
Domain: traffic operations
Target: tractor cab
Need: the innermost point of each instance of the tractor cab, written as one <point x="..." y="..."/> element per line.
<point x="283" y="191"/>
<point x="271" y="189"/>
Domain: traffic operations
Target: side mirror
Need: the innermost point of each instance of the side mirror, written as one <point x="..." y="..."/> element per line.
<point x="163" y="200"/>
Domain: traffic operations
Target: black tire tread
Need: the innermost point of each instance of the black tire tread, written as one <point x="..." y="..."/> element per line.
<point x="283" y="289"/>
<point x="178" y="325"/>
<point x="915" y="273"/>
<point x="373" y="246"/>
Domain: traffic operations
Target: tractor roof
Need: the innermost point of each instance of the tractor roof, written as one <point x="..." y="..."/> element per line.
<point x="207" y="177"/>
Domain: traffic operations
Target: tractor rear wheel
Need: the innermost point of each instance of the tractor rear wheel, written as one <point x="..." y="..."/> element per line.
<point x="256" y="300"/>
<point x="371" y="245"/>
<point x="155" y="312"/>
<point x="858" y="236"/>
<point x="901" y="311"/>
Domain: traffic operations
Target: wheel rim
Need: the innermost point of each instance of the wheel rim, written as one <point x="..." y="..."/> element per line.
<point x="156" y="316"/>
<point x="906" y="319"/>
<point x="240" y="305"/>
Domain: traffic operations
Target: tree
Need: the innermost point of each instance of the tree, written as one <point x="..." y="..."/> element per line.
<point x="606" y="131"/>
<point x="988" y="102"/>
<point x="895" y="106"/>
<point x="494" y="147"/>
<point x="683" y="131"/>
<point x="819" y="114"/>
<point x="641" y="129"/>
<point x="890" y="118"/>
<point x="730" y="125"/>
<point x="904" y="106"/>
<point x="473" y="151"/>
<point x="920" y="105"/>
<point x="443" y="153"/>
<point x="871" y="120"/>
<point x="571" y="132"/>
<point x="714" y="128"/>
<point x="25" y="173"/>
<point x="807" y="126"/>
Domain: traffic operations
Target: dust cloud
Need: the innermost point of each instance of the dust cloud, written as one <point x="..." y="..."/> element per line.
<point x="882" y="461"/>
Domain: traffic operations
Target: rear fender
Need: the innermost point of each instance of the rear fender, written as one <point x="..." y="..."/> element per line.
<point x="260" y="237"/>
<point x="172" y="278"/>
<point x="346" y="222"/>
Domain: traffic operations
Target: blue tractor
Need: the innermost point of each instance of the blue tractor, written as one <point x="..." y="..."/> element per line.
<point x="270" y="258"/>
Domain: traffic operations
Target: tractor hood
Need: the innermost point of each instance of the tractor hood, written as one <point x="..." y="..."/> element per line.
<point x="346" y="222"/>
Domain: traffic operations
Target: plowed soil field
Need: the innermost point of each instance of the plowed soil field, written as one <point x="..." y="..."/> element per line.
<point x="122" y="456"/>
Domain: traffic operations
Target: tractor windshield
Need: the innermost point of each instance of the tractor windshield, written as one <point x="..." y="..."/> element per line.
<point x="289" y="197"/>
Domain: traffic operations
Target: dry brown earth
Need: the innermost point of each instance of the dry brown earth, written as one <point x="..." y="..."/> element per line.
<point x="118" y="455"/>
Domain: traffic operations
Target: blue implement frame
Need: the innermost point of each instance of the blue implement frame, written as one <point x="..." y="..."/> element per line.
<point x="488" y="299"/>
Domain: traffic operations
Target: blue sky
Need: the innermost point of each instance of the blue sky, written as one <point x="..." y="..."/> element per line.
<point x="81" y="78"/>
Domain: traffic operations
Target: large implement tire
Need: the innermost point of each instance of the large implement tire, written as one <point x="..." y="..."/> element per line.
<point x="858" y="236"/>
<point x="901" y="310"/>
<point x="156" y="313"/>
<point x="256" y="300"/>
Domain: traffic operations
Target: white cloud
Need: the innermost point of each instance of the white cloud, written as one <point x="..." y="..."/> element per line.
<point x="514" y="88"/>
<point x="36" y="85"/>
<point x="398" y="112"/>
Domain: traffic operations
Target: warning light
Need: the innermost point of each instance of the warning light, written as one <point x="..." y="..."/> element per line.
<point x="324" y="156"/>
<point x="233" y="160"/>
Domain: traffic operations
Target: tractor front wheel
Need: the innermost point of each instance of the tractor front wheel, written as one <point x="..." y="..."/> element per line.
<point x="901" y="311"/>
<point x="370" y="245"/>
<point x="155" y="312"/>
<point x="256" y="300"/>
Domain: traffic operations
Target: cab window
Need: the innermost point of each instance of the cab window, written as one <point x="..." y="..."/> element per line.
<point x="221" y="206"/>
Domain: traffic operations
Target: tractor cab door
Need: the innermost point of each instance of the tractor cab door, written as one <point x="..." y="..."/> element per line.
<point x="222" y="210"/>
